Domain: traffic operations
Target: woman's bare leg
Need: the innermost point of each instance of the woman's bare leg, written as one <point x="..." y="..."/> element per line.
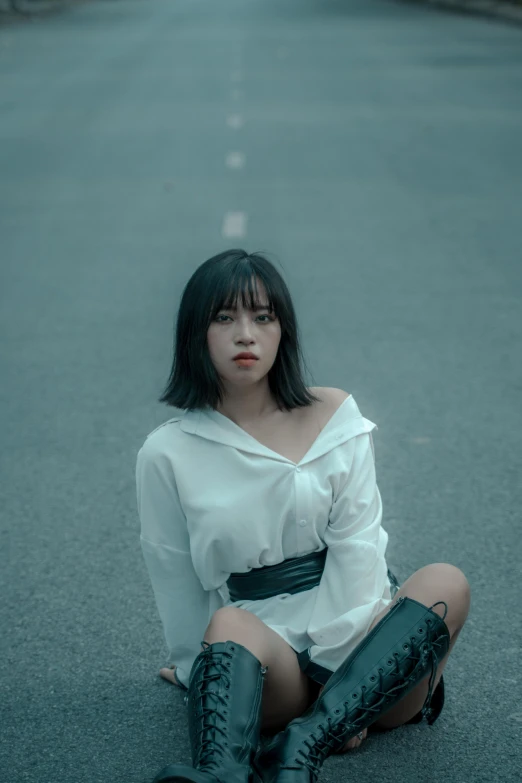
<point x="286" y="689"/>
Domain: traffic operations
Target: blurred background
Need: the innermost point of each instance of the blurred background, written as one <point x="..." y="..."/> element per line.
<point x="372" y="150"/>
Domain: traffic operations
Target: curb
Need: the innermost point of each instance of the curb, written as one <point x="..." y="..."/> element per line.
<point x="32" y="10"/>
<point x="505" y="11"/>
<point x="508" y="12"/>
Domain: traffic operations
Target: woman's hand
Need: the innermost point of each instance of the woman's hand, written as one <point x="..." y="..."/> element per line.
<point x="354" y="742"/>
<point x="168" y="674"/>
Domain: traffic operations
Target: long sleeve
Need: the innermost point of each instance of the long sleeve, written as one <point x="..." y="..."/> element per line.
<point x="355" y="575"/>
<point x="184" y="607"/>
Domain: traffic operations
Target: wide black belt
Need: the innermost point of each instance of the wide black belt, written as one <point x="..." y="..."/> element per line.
<point x="291" y="576"/>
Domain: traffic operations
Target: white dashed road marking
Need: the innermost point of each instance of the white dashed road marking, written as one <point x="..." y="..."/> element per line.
<point x="234" y="224"/>
<point x="235" y="121"/>
<point x="235" y="160"/>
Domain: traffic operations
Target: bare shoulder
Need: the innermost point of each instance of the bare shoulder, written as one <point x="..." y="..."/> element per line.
<point x="329" y="396"/>
<point x="330" y="400"/>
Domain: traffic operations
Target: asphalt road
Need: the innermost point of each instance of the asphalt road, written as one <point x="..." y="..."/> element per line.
<point x="373" y="150"/>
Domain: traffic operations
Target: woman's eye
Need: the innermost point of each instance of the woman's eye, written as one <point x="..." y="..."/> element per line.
<point x="259" y="316"/>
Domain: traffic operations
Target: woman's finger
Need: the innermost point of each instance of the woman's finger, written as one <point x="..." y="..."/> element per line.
<point x="168" y="674"/>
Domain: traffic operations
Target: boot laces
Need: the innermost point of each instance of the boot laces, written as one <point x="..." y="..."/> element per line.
<point x="211" y="745"/>
<point x="331" y="734"/>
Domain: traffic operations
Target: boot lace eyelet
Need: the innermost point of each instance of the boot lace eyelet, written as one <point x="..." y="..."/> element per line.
<point x="420" y="630"/>
<point x="389" y="663"/>
<point x="373" y="678"/>
<point x="405" y="646"/>
<point x="337" y="712"/>
<point x="381" y="669"/>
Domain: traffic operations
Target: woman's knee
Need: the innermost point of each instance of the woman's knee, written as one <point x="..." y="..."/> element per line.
<point x="237" y="625"/>
<point x="286" y="689"/>
<point x="229" y="616"/>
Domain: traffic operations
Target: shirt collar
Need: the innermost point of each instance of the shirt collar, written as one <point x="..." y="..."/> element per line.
<point x="346" y="423"/>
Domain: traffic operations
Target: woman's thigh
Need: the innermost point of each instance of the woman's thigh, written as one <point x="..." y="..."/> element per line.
<point x="286" y="689"/>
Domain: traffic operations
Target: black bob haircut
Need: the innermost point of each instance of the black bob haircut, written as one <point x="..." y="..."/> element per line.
<point x="216" y="285"/>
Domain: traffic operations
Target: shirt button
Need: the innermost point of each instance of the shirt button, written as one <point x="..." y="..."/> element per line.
<point x="302" y="522"/>
<point x="298" y="470"/>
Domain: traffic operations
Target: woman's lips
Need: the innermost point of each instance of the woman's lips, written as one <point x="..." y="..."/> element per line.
<point x="245" y="362"/>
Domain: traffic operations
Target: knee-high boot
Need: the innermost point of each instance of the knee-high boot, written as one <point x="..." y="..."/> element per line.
<point x="389" y="662"/>
<point x="224" y="712"/>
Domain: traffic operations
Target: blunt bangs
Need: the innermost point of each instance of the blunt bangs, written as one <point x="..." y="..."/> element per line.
<point x="220" y="283"/>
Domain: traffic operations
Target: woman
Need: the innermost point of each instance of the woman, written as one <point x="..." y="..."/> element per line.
<point x="261" y="532"/>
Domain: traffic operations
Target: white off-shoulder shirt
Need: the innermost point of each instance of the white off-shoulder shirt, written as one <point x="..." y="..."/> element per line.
<point x="213" y="501"/>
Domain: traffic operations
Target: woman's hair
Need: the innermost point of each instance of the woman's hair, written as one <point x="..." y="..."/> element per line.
<point x="216" y="285"/>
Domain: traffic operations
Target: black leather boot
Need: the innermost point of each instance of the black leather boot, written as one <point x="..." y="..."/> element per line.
<point x="224" y="712"/>
<point x="389" y="662"/>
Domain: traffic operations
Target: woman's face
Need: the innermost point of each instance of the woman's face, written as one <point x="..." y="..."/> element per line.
<point x="235" y="331"/>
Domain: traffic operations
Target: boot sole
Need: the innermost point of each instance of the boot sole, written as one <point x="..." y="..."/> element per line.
<point x="182" y="773"/>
